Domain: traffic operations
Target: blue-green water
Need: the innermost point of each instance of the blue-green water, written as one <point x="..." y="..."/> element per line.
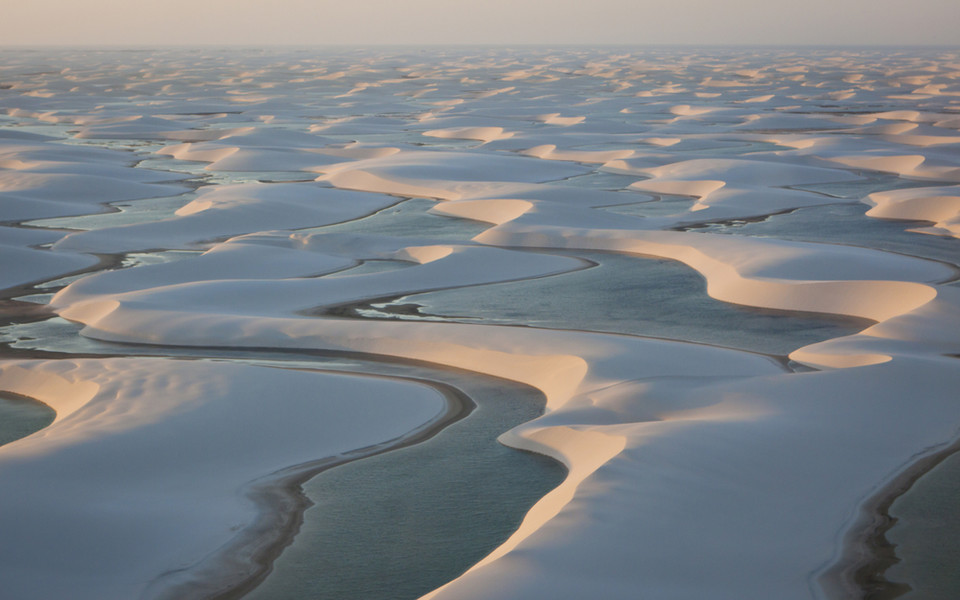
<point x="633" y="295"/>
<point x="928" y="517"/>
<point x="394" y="525"/>
<point x="397" y="525"/>
<point x="20" y="416"/>
<point x="846" y="224"/>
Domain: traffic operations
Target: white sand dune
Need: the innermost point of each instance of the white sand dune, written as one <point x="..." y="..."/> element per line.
<point x="749" y="172"/>
<point x="768" y="273"/>
<point x="143" y="504"/>
<point x="694" y="471"/>
<point x="568" y="399"/>
<point x="254" y="149"/>
<point x="255" y="159"/>
<point x="685" y="110"/>
<point x="230" y="210"/>
<point x="550" y="152"/>
<point x="455" y="266"/>
<point x="939" y="205"/>
<point x="726" y="188"/>
<point x="557" y="119"/>
<point x="98" y="169"/>
<point x="686" y="476"/>
<point x="482" y="134"/>
<point x="28" y="195"/>
<point x="40" y="178"/>
<point x="658" y="141"/>
<point x="133" y="127"/>
<point x="19" y="265"/>
<point x="441" y="175"/>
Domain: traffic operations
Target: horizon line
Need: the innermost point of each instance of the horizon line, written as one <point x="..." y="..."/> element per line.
<point x="246" y="45"/>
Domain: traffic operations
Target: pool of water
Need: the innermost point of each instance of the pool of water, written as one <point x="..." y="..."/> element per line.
<point x="21" y="416"/>
<point x="625" y="294"/>
<point x="926" y="537"/>
<point x="846" y="224"/>
<point x="397" y="525"/>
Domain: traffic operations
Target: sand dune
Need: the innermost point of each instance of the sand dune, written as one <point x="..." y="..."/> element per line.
<point x="456" y="266"/>
<point x="939" y="205"/>
<point x="440" y="175"/>
<point x="20" y="265"/>
<point x="557" y="119"/>
<point x="550" y="152"/>
<point x="101" y="405"/>
<point x="328" y="182"/>
<point x="229" y="210"/>
<point x="482" y="134"/>
<point x="29" y="195"/>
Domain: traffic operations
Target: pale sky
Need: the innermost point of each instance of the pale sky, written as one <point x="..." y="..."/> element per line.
<point x="268" y="22"/>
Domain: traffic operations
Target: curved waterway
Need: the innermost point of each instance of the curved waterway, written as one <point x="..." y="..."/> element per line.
<point x="407" y="521"/>
<point x="391" y="526"/>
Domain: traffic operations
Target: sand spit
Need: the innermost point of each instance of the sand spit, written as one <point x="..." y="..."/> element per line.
<point x="676" y="452"/>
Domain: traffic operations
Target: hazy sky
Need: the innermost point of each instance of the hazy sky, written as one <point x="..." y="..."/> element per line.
<point x="258" y="22"/>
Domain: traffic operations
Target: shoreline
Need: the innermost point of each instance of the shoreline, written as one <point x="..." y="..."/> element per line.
<point x="867" y="554"/>
<point x="239" y="566"/>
